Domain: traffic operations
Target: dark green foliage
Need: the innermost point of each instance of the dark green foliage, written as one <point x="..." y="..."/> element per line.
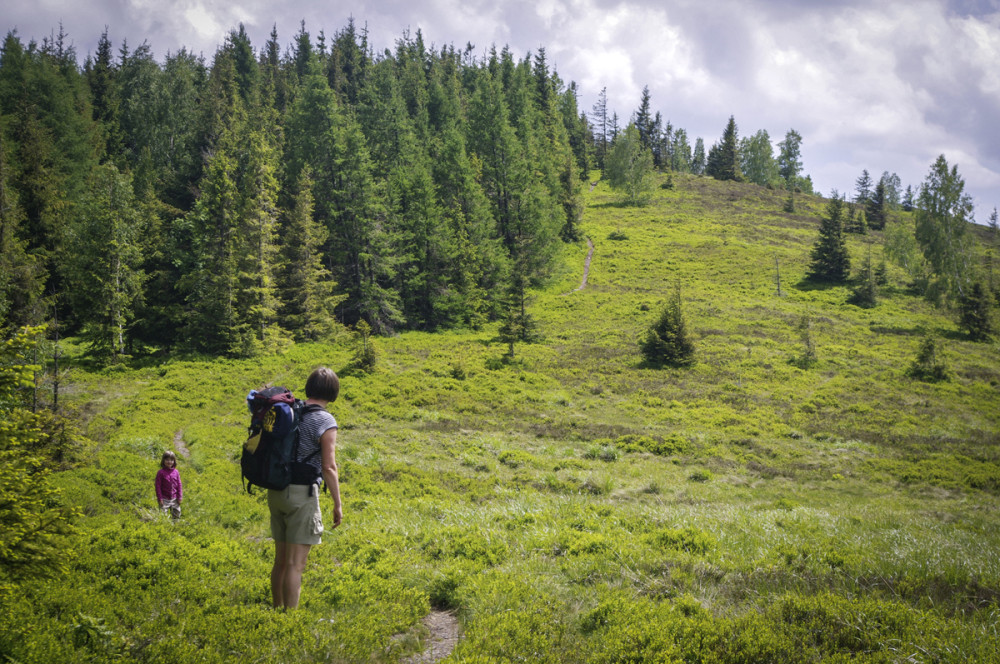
<point x="865" y="293"/>
<point x="877" y="207"/>
<point x="928" y="365"/>
<point x="309" y="308"/>
<point x="863" y="188"/>
<point x="790" y="202"/>
<point x="724" y="157"/>
<point x="434" y="177"/>
<point x="975" y="311"/>
<point x="908" y="199"/>
<point x="365" y="352"/>
<point x="830" y="259"/>
<point x="667" y="342"/>
<point x="103" y="273"/>
<point x="22" y="276"/>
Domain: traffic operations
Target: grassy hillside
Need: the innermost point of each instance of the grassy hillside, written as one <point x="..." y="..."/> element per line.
<point x="572" y="505"/>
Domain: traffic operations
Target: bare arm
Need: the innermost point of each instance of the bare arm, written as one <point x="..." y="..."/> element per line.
<point x="328" y="445"/>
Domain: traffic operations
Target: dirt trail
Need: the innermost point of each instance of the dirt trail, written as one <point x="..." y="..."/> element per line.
<point x="180" y="446"/>
<point x="586" y="267"/>
<point x="443" y="627"/>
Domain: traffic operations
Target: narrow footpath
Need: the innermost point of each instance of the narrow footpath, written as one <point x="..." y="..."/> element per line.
<point x="180" y="446"/>
<point x="443" y="627"/>
<point x="586" y="267"/>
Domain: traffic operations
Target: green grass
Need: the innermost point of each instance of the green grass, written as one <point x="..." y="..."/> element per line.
<point x="572" y="506"/>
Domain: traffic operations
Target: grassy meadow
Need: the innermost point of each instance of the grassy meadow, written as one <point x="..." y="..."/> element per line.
<point x="571" y="505"/>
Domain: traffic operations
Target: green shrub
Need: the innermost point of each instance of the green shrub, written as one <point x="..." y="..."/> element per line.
<point x="687" y="539"/>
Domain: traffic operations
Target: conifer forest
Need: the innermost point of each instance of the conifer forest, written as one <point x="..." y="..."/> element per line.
<point x="609" y="392"/>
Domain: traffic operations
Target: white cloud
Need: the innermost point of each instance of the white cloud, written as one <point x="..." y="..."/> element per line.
<point x="884" y="85"/>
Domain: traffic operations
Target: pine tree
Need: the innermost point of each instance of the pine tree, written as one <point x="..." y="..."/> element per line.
<point x="830" y="260"/>
<point x="876" y="207"/>
<point x="724" y="157"/>
<point x="865" y="293"/>
<point x="667" y="342"/>
<point x="102" y="274"/>
<point x="257" y="219"/>
<point x="210" y="286"/>
<point x="22" y="279"/>
<point x="808" y="357"/>
<point x="908" y="202"/>
<point x="928" y="365"/>
<point x="307" y="287"/>
<point x="643" y="121"/>
<point x="976" y="312"/>
<point x="993" y="225"/>
<point x="863" y="188"/>
<point x="101" y="74"/>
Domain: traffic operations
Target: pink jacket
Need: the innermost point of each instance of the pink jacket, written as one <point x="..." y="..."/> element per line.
<point x="168" y="485"/>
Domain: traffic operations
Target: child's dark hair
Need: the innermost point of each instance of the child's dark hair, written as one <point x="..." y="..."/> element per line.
<point x="168" y="455"/>
<point x="322" y="384"/>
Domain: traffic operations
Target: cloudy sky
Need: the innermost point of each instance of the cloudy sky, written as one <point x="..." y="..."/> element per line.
<point x="883" y="85"/>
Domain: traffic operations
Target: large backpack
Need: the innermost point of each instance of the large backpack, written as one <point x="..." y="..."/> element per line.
<point x="270" y="454"/>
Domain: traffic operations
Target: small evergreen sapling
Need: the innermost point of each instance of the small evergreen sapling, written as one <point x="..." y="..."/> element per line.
<point x="976" y="313"/>
<point x="865" y="293"/>
<point x="808" y="356"/>
<point x="366" y="355"/>
<point x="667" y="342"/>
<point x="928" y="365"/>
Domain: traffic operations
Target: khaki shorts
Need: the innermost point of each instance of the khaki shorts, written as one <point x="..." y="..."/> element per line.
<point x="295" y="515"/>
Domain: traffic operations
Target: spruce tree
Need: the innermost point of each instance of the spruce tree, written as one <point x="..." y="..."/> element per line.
<point x="830" y="260"/>
<point x="865" y="293"/>
<point x="928" y="365"/>
<point x="667" y="342"/>
<point x="22" y="278"/>
<point x="877" y="206"/>
<point x="307" y="287"/>
<point x="724" y="164"/>
<point x="863" y="188"/>
<point x="976" y="312"/>
<point x="102" y="274"/>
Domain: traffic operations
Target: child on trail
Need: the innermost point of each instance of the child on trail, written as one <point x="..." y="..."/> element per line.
<point x="169" y="491"/>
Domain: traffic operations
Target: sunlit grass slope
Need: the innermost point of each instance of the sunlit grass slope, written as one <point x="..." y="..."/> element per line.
<point x="574" y="505"/>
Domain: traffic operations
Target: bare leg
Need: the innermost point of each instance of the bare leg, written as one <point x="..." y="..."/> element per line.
<point x="295" y="565"/>
<point x="277" y="575"/>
